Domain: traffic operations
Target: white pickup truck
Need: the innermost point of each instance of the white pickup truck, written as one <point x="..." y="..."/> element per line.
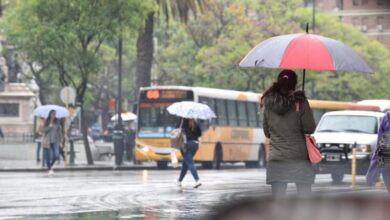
<point x="338" y="132"/>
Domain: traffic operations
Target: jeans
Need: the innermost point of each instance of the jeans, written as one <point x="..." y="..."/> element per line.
<point x="386" y="178"/>
<point x="39" y="144"/>
<point x="188" y="162"/>
<point x="51" y="155"/>
<point x="279" y="189"/>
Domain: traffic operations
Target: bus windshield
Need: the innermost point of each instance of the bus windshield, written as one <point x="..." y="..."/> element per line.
<point x="155" y="121"/>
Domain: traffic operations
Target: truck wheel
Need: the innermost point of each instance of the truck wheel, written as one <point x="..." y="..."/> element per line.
<point x="337" y="177"/>
<point x="162" y="165"/>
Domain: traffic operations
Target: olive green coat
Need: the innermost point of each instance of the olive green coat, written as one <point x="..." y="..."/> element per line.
<point x="285" y="126"/>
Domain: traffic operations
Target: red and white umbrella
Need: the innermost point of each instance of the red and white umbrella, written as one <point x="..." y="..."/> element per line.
<point x="305" y="51"/>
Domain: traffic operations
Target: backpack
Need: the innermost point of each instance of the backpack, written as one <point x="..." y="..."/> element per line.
<point x="384" y="150"/>
<point x="178" y="138"/>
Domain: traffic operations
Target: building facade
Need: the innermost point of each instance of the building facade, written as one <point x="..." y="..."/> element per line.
<point x="371" y="16"/>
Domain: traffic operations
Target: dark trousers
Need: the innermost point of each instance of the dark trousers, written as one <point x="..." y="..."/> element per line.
<point x="386" y="178"/>
<point x="188" y="162"/>
<point x="51" y="155"/>
<point x="38" y="152"/>
<point x="279" y="189"/>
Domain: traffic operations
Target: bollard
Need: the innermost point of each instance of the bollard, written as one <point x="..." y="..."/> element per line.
<point x="354" y="167"/>
<point x="71" y="152"/>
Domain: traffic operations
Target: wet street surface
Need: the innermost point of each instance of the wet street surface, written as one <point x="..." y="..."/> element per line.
<point x="140" y="194"/>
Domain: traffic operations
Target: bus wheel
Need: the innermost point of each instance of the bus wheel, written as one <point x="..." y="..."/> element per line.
<point x="262" y="159"/>
<point x="217" y="159"/>
<point x="162" y="165"/>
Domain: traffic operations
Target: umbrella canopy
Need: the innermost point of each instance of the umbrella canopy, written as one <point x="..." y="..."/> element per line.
<point x="194" y="110"/>
<point x="44" y="110"/>
<point x="126" y="116"/>
<point x="305" y="51"/>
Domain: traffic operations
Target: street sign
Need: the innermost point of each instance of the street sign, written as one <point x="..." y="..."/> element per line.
<point x="68" y="95"/>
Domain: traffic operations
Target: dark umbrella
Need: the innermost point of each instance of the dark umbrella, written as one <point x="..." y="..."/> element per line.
<point x="305" y="51"/>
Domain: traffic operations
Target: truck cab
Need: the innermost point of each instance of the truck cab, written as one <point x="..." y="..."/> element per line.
<point x="338" y="132"/>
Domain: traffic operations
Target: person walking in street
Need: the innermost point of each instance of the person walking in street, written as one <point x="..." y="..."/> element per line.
<point x="287" y="118"/>
<point x="51" y="140"/>
<point x="380" y="161"/>
<point x="192" y="132"/>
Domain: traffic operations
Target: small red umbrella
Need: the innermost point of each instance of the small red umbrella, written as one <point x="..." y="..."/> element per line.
<point x="305" y="51"/>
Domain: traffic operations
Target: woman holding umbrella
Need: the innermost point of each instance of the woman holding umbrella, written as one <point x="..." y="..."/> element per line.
<point x="188" y="111"/>
<point x="287" y="118"/>
<point x="192" y="132"/>
<point x="52" y="139"/>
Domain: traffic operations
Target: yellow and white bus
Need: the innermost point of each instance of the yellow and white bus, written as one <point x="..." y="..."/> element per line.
<point x="236" y="135"/>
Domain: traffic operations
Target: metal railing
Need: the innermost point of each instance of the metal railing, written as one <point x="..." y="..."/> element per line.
<point x="17" y="138"/>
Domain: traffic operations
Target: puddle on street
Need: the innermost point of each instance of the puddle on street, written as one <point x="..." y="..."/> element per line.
<point x="145" y="214"/>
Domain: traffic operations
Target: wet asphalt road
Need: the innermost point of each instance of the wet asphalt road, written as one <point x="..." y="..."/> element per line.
<point x="138" y="194"/>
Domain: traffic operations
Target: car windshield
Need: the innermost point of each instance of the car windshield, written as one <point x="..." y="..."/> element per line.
<point x="155" y="121"/>
<point x="348" y="123"/>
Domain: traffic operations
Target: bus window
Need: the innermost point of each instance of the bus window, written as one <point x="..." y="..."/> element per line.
<point x="242" y="114"/>
<point x="221" y="112"/>
<point x="232" y="113"/>
<point x="211" y="103"/>
<point x="252" y="116"/>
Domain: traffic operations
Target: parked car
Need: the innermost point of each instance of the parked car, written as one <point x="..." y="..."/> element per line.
<point x="338" y="132"/>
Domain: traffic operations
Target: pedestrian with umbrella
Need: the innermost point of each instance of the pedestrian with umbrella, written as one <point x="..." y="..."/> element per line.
<point x="189" y="111"/>
<point x="52" y="133"/>
<point x="287" y="115"/>
<point x="287" y="118"/>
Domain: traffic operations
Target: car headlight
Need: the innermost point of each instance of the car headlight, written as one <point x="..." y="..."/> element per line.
<point x="364" y="148"/>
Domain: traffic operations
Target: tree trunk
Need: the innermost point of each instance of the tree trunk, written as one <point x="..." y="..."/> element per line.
<point x="84" y="130"/>
<point x="144" y="55"/>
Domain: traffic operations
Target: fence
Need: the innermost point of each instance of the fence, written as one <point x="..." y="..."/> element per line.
<point x="17" y="138"/>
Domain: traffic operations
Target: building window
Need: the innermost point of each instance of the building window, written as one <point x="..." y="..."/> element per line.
<point x="380" y="2"/>
<point x="355" y="2"/>
<point x="340" y="4"/>
<point x="9" y="110"/>
<point x="355" y="21"/>
<point x="380" y="20"/>
<point x="364" y="21"/>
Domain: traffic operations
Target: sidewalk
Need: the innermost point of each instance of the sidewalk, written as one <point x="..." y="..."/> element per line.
<point x="33" y="166"/>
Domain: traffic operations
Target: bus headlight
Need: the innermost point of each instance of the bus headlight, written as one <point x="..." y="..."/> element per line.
<point x="364" y="148"/>
<point x="145" y="149"/>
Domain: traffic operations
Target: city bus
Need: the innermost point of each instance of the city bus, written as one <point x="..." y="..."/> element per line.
<point x="236" y="135"/>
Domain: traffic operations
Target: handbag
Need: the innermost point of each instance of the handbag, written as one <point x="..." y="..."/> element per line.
<point x="178" y="138"/>
<point x="311" y="145"/>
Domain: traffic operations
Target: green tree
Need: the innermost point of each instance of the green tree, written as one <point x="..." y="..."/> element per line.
<point x="145" y="48"/>
<point x="68" y="36"/>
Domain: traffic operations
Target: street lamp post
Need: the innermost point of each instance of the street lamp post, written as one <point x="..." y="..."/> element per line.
<point x="118" y="129"/>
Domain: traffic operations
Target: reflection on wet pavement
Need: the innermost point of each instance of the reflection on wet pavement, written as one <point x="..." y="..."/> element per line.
<point x="135" y="194"/>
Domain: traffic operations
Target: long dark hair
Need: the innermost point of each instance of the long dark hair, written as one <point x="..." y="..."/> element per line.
<point x="47" y="121"/>
<point x="284" y="84"/>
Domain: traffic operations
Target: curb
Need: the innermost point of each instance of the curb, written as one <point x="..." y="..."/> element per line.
<point x="66" y="169"/>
